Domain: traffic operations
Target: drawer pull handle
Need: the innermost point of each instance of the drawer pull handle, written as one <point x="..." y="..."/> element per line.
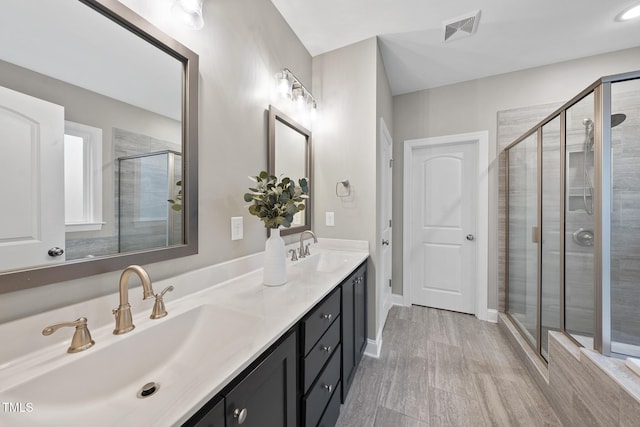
<point x="329" y="387"/>
<point x="326" y="348"/>
<point x="240" y="415"/>
<point x="327" y="316"/>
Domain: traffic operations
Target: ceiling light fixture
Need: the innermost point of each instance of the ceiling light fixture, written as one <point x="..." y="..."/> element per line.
<point x="189" y="13"/>
<point x="289" y="86"/>
<point x="630" y="13"/>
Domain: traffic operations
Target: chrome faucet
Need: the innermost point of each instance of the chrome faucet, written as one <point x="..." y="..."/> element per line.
<point x="302" y="251"/>
<point x="124" y="322"/>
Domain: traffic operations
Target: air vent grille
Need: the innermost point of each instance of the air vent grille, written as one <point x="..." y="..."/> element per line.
<point x="461" y="27"/>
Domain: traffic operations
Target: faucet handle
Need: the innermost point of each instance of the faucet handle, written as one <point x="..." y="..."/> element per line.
<point x="294" y="255"/>
<point x="81" y="337"/>
<point x="306" y="249"/>
<point x="159" y="310"/>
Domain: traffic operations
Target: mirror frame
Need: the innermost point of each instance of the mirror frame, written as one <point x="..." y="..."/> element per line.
<point x="275" y="116"/>
<point x="15" y="280"/>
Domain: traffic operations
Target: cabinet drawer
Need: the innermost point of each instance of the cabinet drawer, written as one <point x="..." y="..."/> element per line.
<point x="322" y="391"/>
<point x="319" y="320"/>
<point x="331" y="414"/>
<point x="320" y="353"/>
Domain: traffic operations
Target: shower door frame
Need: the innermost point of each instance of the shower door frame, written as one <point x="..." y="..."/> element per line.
<point x="602" y="202"/>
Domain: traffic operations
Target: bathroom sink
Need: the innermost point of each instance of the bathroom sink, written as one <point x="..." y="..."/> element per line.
<point x="328" y="261"/>
<point x="170" y="352"/>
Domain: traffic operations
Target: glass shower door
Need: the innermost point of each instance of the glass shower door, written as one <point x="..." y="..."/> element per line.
<point x="551" y="238"/>
<point x="625" y="217"/>
<point x="579" y="222"/>
<point x="523" y="235"/>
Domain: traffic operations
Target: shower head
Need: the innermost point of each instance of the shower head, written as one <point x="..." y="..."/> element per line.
<point x="617" y="119"/>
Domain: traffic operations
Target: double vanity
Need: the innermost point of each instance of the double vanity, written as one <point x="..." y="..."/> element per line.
<point x="230" y="351"/>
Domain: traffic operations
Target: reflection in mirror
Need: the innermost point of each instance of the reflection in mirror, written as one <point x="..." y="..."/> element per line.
<point x="290" y="155"/>
<point x="97" y="128"/>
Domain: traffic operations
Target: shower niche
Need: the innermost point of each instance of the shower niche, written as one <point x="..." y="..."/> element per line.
<point x="573" y="217"/>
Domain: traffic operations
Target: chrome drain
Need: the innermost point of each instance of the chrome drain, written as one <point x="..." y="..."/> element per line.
<point x="148" y="390"/>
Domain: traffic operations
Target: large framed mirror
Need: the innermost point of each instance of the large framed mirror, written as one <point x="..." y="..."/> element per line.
<point x="290" y="155"/>
<point x="98" y="142"/>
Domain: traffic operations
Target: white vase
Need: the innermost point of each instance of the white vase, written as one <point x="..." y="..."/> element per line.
<point x="275" y="260"/>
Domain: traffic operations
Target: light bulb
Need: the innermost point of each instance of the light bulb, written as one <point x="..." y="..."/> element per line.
<point x="283" y="84"/>
<point x="189" y="12"/>
<point x="314" y="110"/>
<point x="632" y="13"/>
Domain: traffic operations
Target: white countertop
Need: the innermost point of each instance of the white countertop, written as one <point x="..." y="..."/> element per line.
<point x="224" y="325"/>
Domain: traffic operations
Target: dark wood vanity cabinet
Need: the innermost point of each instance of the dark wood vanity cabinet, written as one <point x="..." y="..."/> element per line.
<point x="354" y="325"/>
<point x="302" y="379"/>
<point x="265" y="394"/>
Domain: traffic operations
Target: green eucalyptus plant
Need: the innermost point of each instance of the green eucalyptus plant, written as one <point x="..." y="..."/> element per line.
<point x="276" y="202"/>
<point x="176" y="204"/>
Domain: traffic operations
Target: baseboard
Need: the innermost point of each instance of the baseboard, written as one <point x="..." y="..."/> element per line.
<point x="492" y="315"/>
<point x="374" y="347"/>
<point x="397" y="300"/>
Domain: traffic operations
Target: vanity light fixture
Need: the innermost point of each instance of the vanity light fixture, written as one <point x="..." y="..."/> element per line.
<point x="289" y="86"/>
<point x="189" y="13"/>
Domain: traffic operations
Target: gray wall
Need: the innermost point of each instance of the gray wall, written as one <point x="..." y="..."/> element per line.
<point x="243" y="44"/>
<point x="473" y="106"/>
<point x="345" y="83"/>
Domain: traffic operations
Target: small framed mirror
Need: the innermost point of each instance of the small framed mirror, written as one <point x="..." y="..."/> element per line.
<point x="290" y="155"/>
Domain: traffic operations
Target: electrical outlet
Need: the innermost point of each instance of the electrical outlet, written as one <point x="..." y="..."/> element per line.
<point x="330" y="219"/>
<point x="236" y="228"/>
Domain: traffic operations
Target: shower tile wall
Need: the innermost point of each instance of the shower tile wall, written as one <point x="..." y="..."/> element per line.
<point x="625" y="218"/>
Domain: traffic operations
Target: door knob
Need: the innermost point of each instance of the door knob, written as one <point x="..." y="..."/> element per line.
<point x="470" y="237"/>
<point x="55" y="251"/>
<point x="385" y="242"/>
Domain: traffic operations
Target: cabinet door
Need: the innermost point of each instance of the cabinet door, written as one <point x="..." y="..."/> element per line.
<point x="360" y="314"/>
<point x="267" y="396"/>
<point x="348" y="338"/>
<point x="213" y="418"/>
<point x="354" y="325"/>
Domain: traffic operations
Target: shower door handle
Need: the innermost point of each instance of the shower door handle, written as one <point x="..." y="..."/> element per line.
<point x="470" y="237"/>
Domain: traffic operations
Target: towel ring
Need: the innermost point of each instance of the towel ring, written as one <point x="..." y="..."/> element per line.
<point x="346" y="185"/>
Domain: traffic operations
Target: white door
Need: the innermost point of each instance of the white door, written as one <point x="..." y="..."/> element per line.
<point x="443" y="226"/>
<point x="32" y="176"/>
<point x="384" y="224"/>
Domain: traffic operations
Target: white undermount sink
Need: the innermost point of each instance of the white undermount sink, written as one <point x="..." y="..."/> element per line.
<point x="171" y="352"/>
<point x="327" y="261"/>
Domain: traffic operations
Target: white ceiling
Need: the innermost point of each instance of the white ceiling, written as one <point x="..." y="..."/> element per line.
<point x="512" y="34"/>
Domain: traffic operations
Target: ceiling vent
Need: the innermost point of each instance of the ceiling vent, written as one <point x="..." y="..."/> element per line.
<point x="461" y="26"/>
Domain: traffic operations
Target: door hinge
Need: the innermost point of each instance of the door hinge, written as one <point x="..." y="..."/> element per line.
<point x="390" y="163"/>
<point x="389" y="223"/>
<point x="390" y="283"/>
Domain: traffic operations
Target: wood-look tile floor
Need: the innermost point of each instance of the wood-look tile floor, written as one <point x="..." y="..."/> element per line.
<point x="440" y="368"/>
